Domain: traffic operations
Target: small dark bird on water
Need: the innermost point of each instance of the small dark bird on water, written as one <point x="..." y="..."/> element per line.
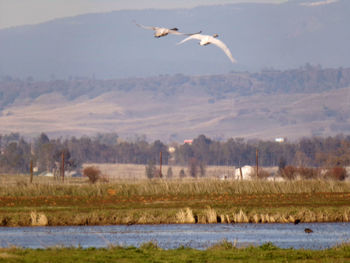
<point x="308" y="230"/>
<point x="297" y="221"/>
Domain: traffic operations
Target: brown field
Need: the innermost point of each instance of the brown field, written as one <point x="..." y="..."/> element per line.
<point x="48" y="201"/>
<point x="157" y="209"/>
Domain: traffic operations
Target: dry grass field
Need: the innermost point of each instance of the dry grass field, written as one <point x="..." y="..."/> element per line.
<point x="49" y="201"/>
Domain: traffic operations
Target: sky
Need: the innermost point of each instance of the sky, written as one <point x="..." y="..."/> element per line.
<point x="25" y="12"/>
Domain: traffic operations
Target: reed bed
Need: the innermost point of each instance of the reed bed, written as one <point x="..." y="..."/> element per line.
<point x="124" y="188"/>
<point x="204" y="200"/>
<point x="172" y="216"/>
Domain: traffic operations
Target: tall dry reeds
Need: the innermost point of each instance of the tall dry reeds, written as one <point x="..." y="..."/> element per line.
<point x="185" y="216"/>
<point x="18" y="186"/>
<point x="38" y="219"/>
<point x="240" y="217"/>
<point x="189" y="187"/>
<point x="173" y="216"/>
<point x="211" y="215"/>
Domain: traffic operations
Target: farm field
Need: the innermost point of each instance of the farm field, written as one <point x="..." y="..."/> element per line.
<point x="149" y="252"/>
<point x="159" y="201"/>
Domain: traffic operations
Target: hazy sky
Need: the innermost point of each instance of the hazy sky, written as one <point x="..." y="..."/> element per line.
<point x="23" y="12"/>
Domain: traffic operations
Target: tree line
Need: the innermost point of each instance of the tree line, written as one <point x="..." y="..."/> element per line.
<point x="17" y="152"/>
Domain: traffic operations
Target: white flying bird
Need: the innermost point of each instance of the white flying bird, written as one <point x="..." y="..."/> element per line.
<point x="206" y="40"/>
<point x="162" y="31"/>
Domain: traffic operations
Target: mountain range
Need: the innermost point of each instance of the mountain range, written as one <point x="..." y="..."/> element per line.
<point x="308" y="101"/>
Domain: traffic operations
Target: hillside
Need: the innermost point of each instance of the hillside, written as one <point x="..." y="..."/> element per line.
<point x="109" y="45"/>
<point x="269" y="104"/>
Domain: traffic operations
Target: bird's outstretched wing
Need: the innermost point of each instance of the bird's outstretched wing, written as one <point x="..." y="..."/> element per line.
<point x="194" y="36"/>
<point x="222" y="45"/>
<point x="175" y="32"/>
<point x="146" y="27"/>
<point x="169" y="31"/>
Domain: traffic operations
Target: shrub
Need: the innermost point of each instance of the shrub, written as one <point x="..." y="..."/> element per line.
<point x="289" y="172"/>
<point x="308" y="173"/>
<point x="336" y="173"/>
<point x="92" y="173"/>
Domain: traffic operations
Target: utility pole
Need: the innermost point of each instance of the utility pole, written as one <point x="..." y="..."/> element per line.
<point x="62" y="166"/>
<point x="31" y="171"/>
<point x="240" y="170"/>
<point x="160" y="165"/>
<point x="257" y="163"/>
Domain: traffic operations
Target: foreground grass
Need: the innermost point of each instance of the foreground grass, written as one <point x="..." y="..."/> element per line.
<point x="149" y="252"/>
<point x="76" y="202"/>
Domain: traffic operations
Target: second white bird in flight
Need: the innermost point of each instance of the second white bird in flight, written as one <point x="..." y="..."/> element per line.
<point x="206" y="40"/>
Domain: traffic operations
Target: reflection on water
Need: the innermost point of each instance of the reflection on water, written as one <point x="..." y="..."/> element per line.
<point x="197" y="236"/>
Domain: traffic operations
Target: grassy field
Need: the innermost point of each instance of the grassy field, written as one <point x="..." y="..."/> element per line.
<point x="77" y="202"/>
<point x="149" y="252"/>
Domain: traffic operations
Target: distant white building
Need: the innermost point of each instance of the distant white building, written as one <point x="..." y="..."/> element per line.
<point x="280" y="139"/>
<point x="247" y="172"/>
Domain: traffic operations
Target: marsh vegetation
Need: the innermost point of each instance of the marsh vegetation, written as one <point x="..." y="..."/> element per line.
<point x="78" y="202"/>
<point x="224" y="251"/>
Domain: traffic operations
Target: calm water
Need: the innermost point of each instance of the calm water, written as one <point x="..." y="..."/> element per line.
<point x="172" y="236"/>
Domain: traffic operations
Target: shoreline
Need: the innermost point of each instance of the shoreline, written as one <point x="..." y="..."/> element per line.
<point x="158" y="224"/>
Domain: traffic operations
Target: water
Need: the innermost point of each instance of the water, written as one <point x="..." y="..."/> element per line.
<point x="197" y="236"/>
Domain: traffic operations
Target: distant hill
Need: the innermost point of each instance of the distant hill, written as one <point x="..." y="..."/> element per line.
<point x="109" y="45"/>
<point x="292" y="103"/>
